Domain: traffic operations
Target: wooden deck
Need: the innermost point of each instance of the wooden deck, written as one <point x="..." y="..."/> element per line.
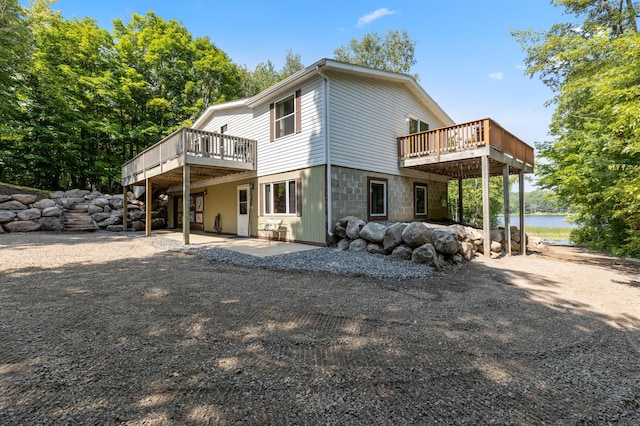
<point x="457" y="151"/>
<point x="208" y="154"/>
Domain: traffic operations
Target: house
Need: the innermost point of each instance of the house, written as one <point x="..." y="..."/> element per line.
<point x="332" y="140"/>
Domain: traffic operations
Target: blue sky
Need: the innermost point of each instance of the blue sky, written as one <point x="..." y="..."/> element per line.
<point x="466" y="59"/>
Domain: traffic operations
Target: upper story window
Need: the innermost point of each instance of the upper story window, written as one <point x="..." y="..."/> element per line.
<point x="416" y="125"/>
<point x="285" y="116"/>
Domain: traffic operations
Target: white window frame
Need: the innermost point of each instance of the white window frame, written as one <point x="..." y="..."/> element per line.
<point x="268" y="202"/>
<point x="385" y="184"/>
<point x="418" y="123"/>
<point x="276" y="120"/>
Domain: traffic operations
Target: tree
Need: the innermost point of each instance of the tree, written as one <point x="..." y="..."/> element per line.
<point x="593" y="164"/>
<point x="472" y="200"/>
<point x="393" y="52"/>
<point x="265" y="75"/>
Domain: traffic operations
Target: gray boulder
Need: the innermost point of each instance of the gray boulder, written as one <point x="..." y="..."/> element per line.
<point x="459" y="231"/>
<point x="358" y="245"/>
<point x="417" y="234"/>
<point x="99" y="217"/>
<point x="12" y="205"/>
<point x="373" y="231"/>
<point x="497" y="235"/>
<point x="343" y="244"/>
<point x="100" y="202"/>
<point x="29" y="214"/>
<point x="7" y="216"/>
<point x="340" y="231"/>
<point x="44" y="203"/>
<point x="343" y="222"/>
<point x="375" y="248"/>
<point x="57" y="194"/>
<point x="136" y="225"/>
<point x="474" y="235"/>
<point x="445" y="241"/>
<point x="22" y="226"/>
<point x="116" y="202"/>
<point x="24" y="198"/>
<point x="156" y="223"/>
<point x="76" y="193"/>
<point x="91" y="209"/>
<point x="402" y="252"/>
<point x="4" y="197"/>
<point x="114" y="228"/>
<point x="54" y="211"/>
<point x="468" y="250"/>
<point x="51" y="224"/>
<point x="136" y="215"/>
<point x="353" y="228"/>
<point x="393" y="236"/>
<point x="426" y="254"/>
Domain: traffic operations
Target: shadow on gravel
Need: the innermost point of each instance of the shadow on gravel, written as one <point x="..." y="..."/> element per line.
<point x="170" y="339"/>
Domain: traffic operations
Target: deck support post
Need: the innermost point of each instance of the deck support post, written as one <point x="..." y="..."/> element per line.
<point x="507" y="218"/>
<point x="523" y="234"/>
<point x="460" y="206"/>
<point x="186" y="203"/>
<point x="486" y="218"/>
<point x="147" y="207"/>
<point x="125" y="213"/>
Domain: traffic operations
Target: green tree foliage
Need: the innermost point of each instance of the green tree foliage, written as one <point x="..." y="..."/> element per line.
<point x="89" y="100"/>
<point x="472" y="200"/>
<point x="393" y="52"/>
<point x="265" y="75"/>
<point x="593" y="164"/>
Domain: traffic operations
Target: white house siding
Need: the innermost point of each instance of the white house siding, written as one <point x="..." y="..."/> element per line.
<point x="291" y="152"/>
<point x="367" y="116"/>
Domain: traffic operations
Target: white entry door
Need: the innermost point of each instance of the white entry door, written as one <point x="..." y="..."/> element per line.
<point x="244" y="196"/>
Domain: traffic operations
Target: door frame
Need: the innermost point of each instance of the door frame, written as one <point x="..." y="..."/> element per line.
<point x="240" y="225"/>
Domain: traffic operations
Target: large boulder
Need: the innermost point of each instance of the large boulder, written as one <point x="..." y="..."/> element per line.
<point x="100" y="202"/>
<point x="7" y="216"/>
<point x="116" y="202"/>
<point x="54" y="211"/>
<point x="29" y="214"/>
<point x="24" y="198"/>
<point x="137" y="225"/>
<point x="76" y="193"/>
<point x="57" y="194"/>
<point x="22" y="226"/>
<point x="402" y="252"/>
<point x="343" y="244"/>
<point x="468" y="250"/>
<point x="358" y="245"/>
<point x="136" y="215"/>
<point x="426" y="254"/>
<point x="4" y="197"/>
<point x="343" y="222"/>
<point x="353" y="228"/>
<point x="497" y="235"/>
<point x="99" y="217"/>
<point x="340" y="230"/>
<point x="417" y="234"/>
<point x="474" y="235"/>
<point x="12" y="205"/>
<point x="156" y="223"/>
<point x="373" y="231"/>
<point x="515" y="235"/>
<point x="496" y="247"/>
<point x="393" y="236"/>
<point x="445" y="241"/>
<point x="44" y="203"/>
<point x="375" y="248"/>
<point x="51" y="224"/>
<point x="459" y="231"/>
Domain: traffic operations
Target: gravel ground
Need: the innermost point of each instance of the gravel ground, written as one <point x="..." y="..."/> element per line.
<point x="325" y="260"/>
<point x="109" y="329"/>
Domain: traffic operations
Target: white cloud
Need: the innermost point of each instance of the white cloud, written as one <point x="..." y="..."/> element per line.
<point x="370" y="17"/>
<point x="520" y="67"/>
<point x="496" y="75"/>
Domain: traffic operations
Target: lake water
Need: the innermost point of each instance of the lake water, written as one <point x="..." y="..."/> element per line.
<point x="555" y="221"/>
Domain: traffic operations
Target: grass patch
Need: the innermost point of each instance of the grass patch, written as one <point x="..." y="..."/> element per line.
<point x="9" y="189"/>
<point x="549" y="233"/>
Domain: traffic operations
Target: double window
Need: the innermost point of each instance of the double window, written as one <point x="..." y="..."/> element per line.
<point x="285" y="116"/>
<point x="281" y="198"/>
<point x="416" y="126"/>
<point x="377" y="198"/>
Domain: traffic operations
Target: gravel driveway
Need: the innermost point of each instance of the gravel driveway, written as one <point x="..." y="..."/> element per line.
<point x="107" y="329"/>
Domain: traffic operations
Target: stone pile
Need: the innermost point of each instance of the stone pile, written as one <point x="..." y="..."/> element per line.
<point x="419" y="242"/>
<point x="76" y="210"/>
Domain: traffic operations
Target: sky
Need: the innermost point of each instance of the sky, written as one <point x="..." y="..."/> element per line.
<point x="466" y="58"/>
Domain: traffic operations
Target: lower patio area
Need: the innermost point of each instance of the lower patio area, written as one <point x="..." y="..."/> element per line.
<point x="252" y="246"/>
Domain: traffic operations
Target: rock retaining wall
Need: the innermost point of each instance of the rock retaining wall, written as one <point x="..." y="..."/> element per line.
<point x="76" y="210"/>
<point x="419" y="242"/>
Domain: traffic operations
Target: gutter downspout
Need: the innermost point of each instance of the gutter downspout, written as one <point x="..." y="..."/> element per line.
<point x="327" y="149"/>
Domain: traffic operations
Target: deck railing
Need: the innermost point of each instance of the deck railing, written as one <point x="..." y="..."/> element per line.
<point x="193" y="143"/>
<point x="462" y="137"/>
